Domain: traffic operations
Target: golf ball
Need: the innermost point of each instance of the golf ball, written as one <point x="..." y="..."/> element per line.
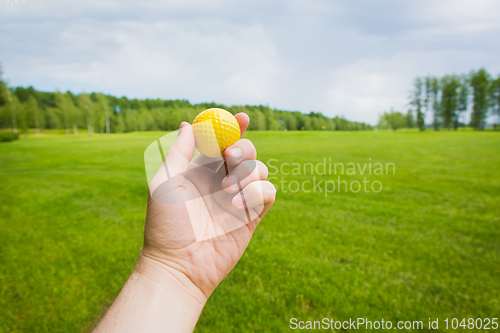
<point x="214" y="131"/>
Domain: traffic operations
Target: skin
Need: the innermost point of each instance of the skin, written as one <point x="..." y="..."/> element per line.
<point x="194" y="235"/>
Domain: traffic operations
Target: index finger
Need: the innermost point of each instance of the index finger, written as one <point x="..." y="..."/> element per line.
<point x="243" y="121"/>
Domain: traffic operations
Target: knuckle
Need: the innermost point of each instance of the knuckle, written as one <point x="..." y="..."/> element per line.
<point x="246" y="169"/>
<point x="263" y="169"/>
<point x="245" y="142"/>
<point x="248" y="147"/>
<point x="270" y="189"/>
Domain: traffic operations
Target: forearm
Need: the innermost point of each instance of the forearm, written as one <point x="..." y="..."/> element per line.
<point x="154" y="299"/>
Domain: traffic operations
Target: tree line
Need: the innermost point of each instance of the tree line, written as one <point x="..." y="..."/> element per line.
<point x="27" y="108"/>
<point x="446" y="99"/>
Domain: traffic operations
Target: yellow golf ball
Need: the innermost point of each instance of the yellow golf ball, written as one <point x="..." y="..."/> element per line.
<point x="214" y="131"/>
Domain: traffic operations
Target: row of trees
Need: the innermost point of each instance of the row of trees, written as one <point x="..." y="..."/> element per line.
<point x="448" y="97"/>
<point x="25" y="108"/>
<point x="395" y="120"/>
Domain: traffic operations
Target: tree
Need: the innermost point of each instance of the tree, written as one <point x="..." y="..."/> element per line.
<point x="495" y="97"/>
<point x="22" y="111"/>
<point x="463" y="99"/>
<point x="104" y="110"/>
<point x="62" y="104"/>
<point x="12" y="107"/>
<point x="428" y="94"/>
<point x="73" y="112"/>
<point x="85" y="103"/>
<point x="29" y="108"/>
<point x="392" y="120"/>
<point x="410" y="121"/>
<point x="436" y="110"/>
<point x="417" y="103"/>
<point x="449" y="100"/>
<point x="33" y="104"/>
<point x="480" y="83"/>
<point x="120" y="123"/>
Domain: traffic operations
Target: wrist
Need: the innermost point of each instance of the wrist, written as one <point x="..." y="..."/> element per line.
<point x="154" y="300"/>
<point x="166" y="279"/>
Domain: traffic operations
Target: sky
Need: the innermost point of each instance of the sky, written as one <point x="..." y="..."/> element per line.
<point x="351" y="58"/>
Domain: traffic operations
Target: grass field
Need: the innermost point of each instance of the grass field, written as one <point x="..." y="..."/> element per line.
<point x="427" y="246"/>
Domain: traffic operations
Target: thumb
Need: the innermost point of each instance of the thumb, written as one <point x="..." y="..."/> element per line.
<point x="181" y="152"/>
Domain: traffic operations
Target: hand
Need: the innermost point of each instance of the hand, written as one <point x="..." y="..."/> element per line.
<point x="200" y="221"/>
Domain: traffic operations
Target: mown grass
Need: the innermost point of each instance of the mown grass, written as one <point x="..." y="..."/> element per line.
<point x="427" y="246"/>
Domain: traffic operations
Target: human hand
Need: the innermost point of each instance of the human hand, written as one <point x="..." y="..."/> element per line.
<point x="198" y="223"/>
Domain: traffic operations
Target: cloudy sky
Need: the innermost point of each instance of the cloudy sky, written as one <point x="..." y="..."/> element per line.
<point x="351" y="58"/>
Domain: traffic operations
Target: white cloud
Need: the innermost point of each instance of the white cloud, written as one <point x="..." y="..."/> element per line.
<point x="352" y="58"/>
<point x="363" y="89"/>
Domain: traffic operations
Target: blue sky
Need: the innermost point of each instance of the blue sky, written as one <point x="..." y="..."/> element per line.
<point x="351" y="58"/>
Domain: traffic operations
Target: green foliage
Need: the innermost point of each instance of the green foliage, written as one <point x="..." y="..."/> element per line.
<point x="410" y="121"/>
<point x="8" y="136"/>
<point x="480" y="83"/>
<point x="109" y="114"/>
<point x="72" y="217"/>
<point x="463" y="98"/>
<point x="87" y="106"/>
<point x="393" y="120"/>
<point x="62" y="105"/>
<point x="436" y="107"/>
<point x="416" y="101"/>
<point x="495" y="95"/>
<point x="448" y="97"/>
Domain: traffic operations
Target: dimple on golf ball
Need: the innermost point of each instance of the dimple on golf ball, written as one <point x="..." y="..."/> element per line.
<point x="214" y="131"/>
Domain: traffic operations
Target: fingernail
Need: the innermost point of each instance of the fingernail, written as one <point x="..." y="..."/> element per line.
<point x="183" y="124"/>
<point x="238" y="201"/>
<point x="235" y="152"/>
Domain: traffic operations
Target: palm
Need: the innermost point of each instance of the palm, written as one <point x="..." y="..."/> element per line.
<point x="193" y="227"/>
<point x="193" y="233"/>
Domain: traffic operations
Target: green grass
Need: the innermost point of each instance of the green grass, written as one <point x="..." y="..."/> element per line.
<point x="427" y="246"/>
